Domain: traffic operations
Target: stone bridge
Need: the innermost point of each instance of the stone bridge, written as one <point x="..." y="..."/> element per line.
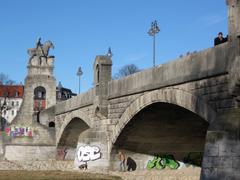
<point x="190" y="105"/>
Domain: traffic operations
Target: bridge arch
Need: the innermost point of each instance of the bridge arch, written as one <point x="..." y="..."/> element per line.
<point x="73" y="125"/>
<point x="173" y="96"/>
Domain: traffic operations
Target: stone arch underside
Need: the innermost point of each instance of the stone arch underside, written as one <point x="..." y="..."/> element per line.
<point x="168" y="121"/>
<point x="74" y="124"/>
<point x="173" y="96"/>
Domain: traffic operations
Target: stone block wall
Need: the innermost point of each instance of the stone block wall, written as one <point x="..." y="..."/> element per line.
<point x="222" y="149"/>
<point x="30" y="153"/>
<point x="40" y="136"/>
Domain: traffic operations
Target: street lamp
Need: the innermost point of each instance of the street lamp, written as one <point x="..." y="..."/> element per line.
<point x="79" y="73"/>
<point x="154" y="30"/>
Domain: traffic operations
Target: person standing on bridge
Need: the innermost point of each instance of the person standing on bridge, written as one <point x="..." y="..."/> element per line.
<point x="220" y="39"/>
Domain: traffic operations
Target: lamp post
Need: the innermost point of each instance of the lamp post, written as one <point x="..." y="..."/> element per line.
<point x="79" y="73"/>
<point x="152" y="32"/>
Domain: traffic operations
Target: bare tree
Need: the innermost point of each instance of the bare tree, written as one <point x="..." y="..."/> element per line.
<point x="4" y="79"/>
<point x="126" y="70"/>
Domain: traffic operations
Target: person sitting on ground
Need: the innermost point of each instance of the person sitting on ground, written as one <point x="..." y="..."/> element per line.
<point x="131" y="164"/>
<point x="220" y="39"/>
<point x="83" y="166"/>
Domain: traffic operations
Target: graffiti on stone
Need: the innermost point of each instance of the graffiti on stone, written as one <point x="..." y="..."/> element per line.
<point x="15" y="131"/>
<point x="88" y="153"/>
<point x="161" y="162"/>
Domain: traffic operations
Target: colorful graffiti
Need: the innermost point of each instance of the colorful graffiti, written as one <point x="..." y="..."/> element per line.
<point x="161" y="162"/>
<point x="88" y="153"/>
<point x="15" y="131"/>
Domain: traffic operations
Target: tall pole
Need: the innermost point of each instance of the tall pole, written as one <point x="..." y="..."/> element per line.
<point x="154" y="50"/>
<point x="79" y="74"/>
<point x="79" y="85"/>
<point x="152" y="32"/>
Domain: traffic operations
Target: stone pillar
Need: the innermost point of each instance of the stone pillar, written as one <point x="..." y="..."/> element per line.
<point x="95" y="137"/>
<point x="40" y="73"/>
<point x="222" y="150"/>
<point x="40" y="143"/>
<point x="102" y="75"/>
<point x="233" y="19"/>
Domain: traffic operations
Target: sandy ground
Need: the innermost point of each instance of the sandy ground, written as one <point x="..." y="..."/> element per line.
<point x="191" y="173"/>
<point x="53" y="175"/>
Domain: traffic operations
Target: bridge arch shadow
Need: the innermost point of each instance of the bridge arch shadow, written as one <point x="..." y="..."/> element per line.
<point x="169" y="121"/>
<point x="74" y="124"/>
<point x="69" y="137"/>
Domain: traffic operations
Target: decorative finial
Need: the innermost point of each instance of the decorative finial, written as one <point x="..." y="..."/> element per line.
<point x="109" y="53"/>
<point x="60" y="85"/>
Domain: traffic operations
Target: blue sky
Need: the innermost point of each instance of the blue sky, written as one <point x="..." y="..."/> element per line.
<point x="82" y="29"/>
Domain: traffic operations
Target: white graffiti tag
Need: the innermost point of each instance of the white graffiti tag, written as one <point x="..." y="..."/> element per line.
<point x="87" y="153"/>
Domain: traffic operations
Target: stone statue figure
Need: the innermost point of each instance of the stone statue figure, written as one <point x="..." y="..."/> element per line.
<point x="39" y="44"/>
<point x="41" y="50"/>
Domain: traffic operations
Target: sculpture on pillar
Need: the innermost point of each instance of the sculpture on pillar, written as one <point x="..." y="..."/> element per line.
<point x="40" y="51"/>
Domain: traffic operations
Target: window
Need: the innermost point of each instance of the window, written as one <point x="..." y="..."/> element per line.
<point x="16" y="94"/>
<point x="4" y="112"/>
<point x="39" y="94"/>
<point x="39" y="104"/>
<point x="17" y="102"/>
<point x="65" y="94"/>
<point x="39" y="98"/>
<point x="13" y="112"/>
<point x="12" y="103"/>
<point x="97" y="73"/>
<point x="51" y="124"/>
<point x="5" y="94"/>
<point x="59" y="95"/>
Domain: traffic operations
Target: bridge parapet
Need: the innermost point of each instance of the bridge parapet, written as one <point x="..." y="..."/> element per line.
<point x="82" y="100"/>
<point x="207" y="63"/>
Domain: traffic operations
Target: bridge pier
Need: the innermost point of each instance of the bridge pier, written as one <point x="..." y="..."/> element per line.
<point x="222" y="148"/>
<point x="95" y="138"/>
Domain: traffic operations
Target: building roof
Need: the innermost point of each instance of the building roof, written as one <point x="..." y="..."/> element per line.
<point x="11" y="91"/>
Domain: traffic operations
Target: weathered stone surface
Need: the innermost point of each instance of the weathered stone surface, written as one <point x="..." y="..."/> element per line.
<point x="25" y="153"/>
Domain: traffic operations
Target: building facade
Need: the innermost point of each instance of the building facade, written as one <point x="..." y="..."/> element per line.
<point x="11" y="97"/>
<point x="63" y="93"/>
